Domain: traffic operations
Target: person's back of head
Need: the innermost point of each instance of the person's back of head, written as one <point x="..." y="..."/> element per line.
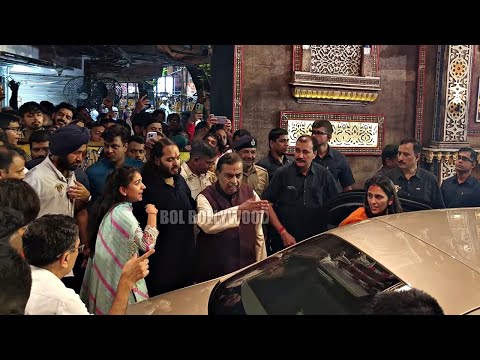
<point x="21" y="196"/>
<point x="48" y="237"/>
<point x="408" y="302"/>
<point x="389" y="152"/>
<point x="15" y="281"/>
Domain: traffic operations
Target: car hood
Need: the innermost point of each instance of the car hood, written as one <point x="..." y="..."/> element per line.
<point x="192" y="300"/>
<point x="455" y="232"/>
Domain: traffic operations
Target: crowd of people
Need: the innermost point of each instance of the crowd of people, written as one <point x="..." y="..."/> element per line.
<point x="108" y="212"/>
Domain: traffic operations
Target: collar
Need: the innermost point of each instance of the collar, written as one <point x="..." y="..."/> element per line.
<point x="469" y="180"/>
<point x="274" y="160"/>
<point x="254" y="171"/>
<point x="223" y="193"/>
<point x="399" y="173"/>
<point x="189" y="173"/>
<point x="49" y="164"/>
<point x="329" y="153"/>
<point x="312" y="169"/>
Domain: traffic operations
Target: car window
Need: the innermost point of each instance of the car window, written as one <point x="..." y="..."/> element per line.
<point x="323" y="275"/>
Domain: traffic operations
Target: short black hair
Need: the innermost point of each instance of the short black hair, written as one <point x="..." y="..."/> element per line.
<point x="6" y="119"/>
<point x="241" y="132"/>
<point x="117" y="130"/>
<point x="136" y="138"/>
<point x="64" y="105"/>
<point x="20" y="195"/>
<point x="39" y="136"/>
<point x="6" y="159"/>
<point x="473" y="153"/>
<point x="202" y="148"/>
<point x="48" y="237"/>
<point x="389" y="151"/>
<point x="10" y="221"/>
<point x="274" y="134"/>
<point x="323" y="123"/>
<point x="15" y="281"/>
<point x="417" y="147"/>
<point x="30" y="107"/>
<point x="408" y="302"/>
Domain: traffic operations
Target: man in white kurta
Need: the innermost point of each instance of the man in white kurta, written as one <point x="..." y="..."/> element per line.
<point x="230" y="218"/>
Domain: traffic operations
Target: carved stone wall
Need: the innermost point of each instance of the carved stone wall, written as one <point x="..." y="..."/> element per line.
<point x="452" y="90"/>
<point x="336" y="59"/>
<point x="267" y="69"/>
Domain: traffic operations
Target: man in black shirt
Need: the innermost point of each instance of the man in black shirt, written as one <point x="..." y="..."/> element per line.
<point x="299" y="193"/>
<point x="462" y="189"/>
<point x="330" y="158"/>
<point x="171" y="266"/>
<point x="277" y="156"/>
<point x="411" y="181"/>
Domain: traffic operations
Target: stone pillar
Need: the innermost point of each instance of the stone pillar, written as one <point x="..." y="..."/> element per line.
<point x="452" y="90"/>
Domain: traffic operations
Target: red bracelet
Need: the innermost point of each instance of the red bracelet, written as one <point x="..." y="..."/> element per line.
<point x="282" y="231"/>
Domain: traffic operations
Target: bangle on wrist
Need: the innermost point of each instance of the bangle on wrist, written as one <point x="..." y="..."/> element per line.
<point x="282" y="231"/>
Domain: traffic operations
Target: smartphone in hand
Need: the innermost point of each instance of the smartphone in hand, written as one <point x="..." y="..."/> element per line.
<point x="151" y="135"/>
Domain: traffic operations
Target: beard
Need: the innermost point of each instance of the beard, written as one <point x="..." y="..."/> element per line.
<point x="64" y="165"/>
<point x="166" y="172"/>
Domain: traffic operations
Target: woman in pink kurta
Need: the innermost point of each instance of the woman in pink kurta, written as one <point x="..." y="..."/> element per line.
<point x="118" y="237"/>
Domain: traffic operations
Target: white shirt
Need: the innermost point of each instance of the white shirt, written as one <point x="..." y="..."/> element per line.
<point x="213" y="223"/>
<point x="51" y="187"/>
<point x="49" y="296"/>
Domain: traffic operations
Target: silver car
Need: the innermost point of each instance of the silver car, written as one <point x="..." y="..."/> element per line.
<point x="339" y="271"/>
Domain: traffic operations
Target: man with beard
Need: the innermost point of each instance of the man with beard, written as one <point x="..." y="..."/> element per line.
<point x="115" y="140"/>
<point x="411" y="181"/>
<point x="31" y="115"/>
<point x="253" y="175"/>
<point x="171" y="266"/>
<point x="462" y="189"/>
<point x="63" y="114"/>
<point x="54" y="179"/>
<point x="230" y="218"/>
<point x="277" y="156"/>
<point x="299" y="193"/>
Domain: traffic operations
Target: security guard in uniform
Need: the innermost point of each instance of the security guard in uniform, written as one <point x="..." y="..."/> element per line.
<point x="253" y="175"/>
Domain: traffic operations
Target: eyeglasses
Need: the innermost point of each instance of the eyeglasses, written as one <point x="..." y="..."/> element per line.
<point x="79" y="248"/>
<point x="464" y="158"/>
<point x="16" y="129"/>
<point x="318" y="132"/>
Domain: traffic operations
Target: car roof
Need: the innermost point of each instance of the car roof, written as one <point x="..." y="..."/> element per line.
<point x="437" y="251"/>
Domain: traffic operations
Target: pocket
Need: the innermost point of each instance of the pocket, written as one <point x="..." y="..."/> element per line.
<point x="290" y="194"/>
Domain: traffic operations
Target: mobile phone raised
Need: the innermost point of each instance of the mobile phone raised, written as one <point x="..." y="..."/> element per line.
<point x="152" y="135"/>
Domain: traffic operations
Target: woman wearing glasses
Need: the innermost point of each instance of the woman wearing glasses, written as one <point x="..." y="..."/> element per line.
<point x="115" y="236"/>
<point x="380" y="199"/>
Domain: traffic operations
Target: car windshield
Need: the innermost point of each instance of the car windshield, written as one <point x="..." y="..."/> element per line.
<point x="323" y="275"/>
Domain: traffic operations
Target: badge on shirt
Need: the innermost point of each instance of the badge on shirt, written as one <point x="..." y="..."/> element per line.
<point x="59" y="188"/>
<point x="397" y="188"/>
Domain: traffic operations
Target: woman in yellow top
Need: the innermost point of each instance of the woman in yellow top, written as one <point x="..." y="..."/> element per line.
<point x="380" y="199"/>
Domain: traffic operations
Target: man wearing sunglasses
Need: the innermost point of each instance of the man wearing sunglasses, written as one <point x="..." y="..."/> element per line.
<point x="330" y="158"/>
<point x="462" y="189"/>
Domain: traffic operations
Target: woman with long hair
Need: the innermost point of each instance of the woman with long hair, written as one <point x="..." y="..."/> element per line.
<point x="114" y="237"/>
<point x="380" y="199"/>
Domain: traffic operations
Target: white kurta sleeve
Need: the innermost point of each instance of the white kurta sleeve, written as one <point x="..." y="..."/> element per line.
<point x="212" y="223"/>
<point x="260" y="246"/>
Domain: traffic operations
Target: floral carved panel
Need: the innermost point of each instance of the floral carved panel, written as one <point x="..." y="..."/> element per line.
<point x="353" y="134"/>
<point x="336" y="59"/>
